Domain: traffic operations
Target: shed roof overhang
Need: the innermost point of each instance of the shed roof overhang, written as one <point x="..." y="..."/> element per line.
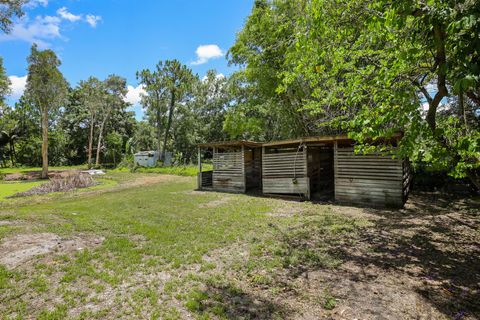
<point x="309" y="140"/>
<point x="325" y="140"/>
<point x="315" y="140"/>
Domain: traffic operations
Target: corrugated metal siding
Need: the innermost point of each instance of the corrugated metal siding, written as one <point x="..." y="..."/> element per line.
<point x="228" y="171"/>
<point x="279" y="170"/>
<point x="368" y="179"/>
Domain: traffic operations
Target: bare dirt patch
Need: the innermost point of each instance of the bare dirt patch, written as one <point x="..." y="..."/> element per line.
<point x="20" y="249"/>
<point x="192" y="193"/>
<point x="216" y="203"/>
<point x="154" y="179"/>
<point x="11" y="223"/>
<point x="287" y="210"/>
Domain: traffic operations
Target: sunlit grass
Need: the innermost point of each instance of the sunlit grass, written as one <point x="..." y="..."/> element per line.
<point x="8" y="189"/>
<point x="188" y="171"/>
<point x="162" y="228"/>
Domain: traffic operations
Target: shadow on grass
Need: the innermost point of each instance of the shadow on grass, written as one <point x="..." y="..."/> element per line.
<point x="230" y="302"/>
<point x="433" y="242"/>
<point x="433" y="239"/>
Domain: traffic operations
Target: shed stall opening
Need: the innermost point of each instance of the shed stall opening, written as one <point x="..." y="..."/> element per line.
<point x="298" y="169"/>
<point x="236" y="166"/>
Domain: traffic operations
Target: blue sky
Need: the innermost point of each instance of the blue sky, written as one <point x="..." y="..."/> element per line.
<point x="101" y="37"/>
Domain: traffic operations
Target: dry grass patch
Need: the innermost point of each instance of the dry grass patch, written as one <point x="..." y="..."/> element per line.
<point x="61" y="184"/>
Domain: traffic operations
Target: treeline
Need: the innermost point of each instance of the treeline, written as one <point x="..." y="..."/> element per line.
<point x="91" y="122"/>
<point x="306" y="67"/>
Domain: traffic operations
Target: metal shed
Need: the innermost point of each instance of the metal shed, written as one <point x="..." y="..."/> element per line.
<point x="319" y="168"/>
<point x="236" y="166"/>
<point x="146" y="158"/>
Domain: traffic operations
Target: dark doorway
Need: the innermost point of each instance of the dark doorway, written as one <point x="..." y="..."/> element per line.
<point x="321" y="172"/>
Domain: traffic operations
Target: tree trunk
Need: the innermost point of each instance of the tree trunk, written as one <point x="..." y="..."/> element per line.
<point x="12" y="152"/>
<point x="99" y="145"/>
<point x="44" y="144"/>
<point x="169" y="124"/>
<point x="159" y="124"/>
<point x="441" y="61"/>
<point x="462" y="113"/>
<point x="90" y="143"/>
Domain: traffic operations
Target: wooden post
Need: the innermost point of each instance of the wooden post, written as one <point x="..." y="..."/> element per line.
<point x="335" y="169"/>
<point x="199" y="177"/>
<point x="262" y="167"/>
<point x="243" y="170"/>
<point x="214" y="170"/>
<point x="305" y="158"/>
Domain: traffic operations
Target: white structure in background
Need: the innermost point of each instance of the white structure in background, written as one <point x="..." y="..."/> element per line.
<point x="94" y="172"/>
<point x="146" y="158"/>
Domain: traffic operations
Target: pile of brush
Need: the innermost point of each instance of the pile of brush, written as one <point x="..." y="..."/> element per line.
<point x="61" y="184"/>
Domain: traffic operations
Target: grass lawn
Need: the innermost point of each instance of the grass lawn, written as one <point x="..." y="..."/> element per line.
<point x="188" y="171"/>
<point x="149" y="246"/>
<point x="8" y="189"/>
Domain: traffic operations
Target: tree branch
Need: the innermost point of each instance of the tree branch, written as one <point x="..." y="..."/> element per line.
<point x="441" y="60"/>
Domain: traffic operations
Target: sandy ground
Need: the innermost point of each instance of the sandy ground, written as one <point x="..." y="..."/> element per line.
<point x="19" y="249"/>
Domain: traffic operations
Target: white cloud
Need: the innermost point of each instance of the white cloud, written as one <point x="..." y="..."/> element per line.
<point x="39" y="31"/>
<point x="35" y="3"/>
<point x="64" y="14"/>
<point x="207" y="52"/>
<point x="134" y="95"/>
<point x="93" y="20"/>
<point x="218" y="76"/>
<point x="17" y="86"/>
<point x="43" y="29"/>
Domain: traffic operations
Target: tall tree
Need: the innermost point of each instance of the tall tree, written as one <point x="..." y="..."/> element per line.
<point x="261" y="48"/>
<point x="167" y="86"/>
<point x="113" y="100"/>
<point x="8" y="9"/>
<point x="4" y="85"/>
<point x="155" y="88"/>
<point x="178" y="81"/>
<point x="92" y="94"/>
<point x="47" y="89"/>
<point x="211" y="101"/>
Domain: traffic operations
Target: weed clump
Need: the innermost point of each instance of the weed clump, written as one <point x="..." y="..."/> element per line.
<point x="61" y="184"/>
